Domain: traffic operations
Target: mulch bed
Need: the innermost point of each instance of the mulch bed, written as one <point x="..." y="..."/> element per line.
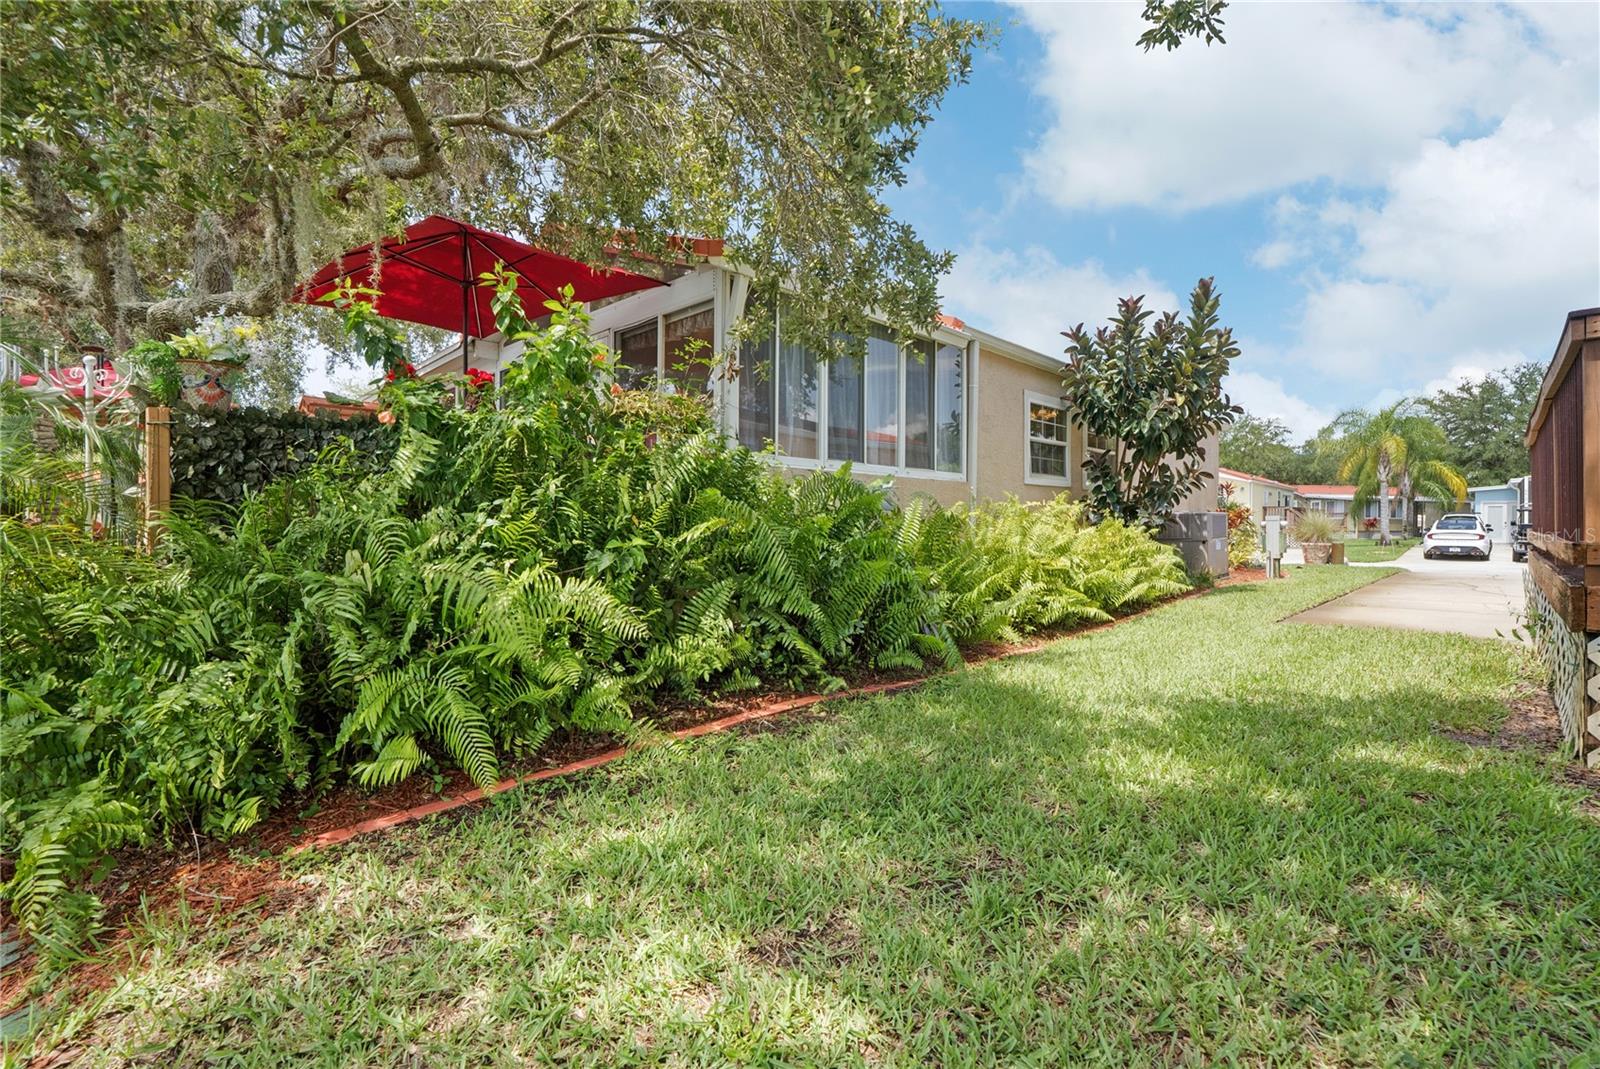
<point x="216" y="880"/>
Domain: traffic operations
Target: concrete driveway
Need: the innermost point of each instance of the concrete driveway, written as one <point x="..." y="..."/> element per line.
<point x="1482" y="599"/>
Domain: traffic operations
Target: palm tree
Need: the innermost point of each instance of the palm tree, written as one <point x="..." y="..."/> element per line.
<point x="1395" y="446"/>
<point x="1425" y="473"/>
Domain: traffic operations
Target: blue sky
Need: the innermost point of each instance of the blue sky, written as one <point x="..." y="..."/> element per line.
<point x="1391" y="197"/>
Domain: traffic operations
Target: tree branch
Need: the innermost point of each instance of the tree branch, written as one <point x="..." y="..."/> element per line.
<point x="422" y="134"/>
<point x="49" y="285"/>
<point x="511" y="129"/>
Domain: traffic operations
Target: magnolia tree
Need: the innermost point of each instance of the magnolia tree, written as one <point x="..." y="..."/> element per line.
<point x="1156" y="392"/>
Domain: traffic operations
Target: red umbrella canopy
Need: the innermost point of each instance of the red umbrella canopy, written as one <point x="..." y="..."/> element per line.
<point x="430" y="275"/>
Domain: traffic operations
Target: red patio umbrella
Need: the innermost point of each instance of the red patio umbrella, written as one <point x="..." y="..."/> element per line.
<point x="430" y="275"/>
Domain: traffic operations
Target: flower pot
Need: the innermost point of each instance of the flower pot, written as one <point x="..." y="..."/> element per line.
<point x="1317" y="552"/>
<point x="207" y="383"/>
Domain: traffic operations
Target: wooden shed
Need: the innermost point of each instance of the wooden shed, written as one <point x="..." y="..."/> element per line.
<point x="1563" y="578"/>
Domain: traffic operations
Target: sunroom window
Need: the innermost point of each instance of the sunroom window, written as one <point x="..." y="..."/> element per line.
<point x="637" y="355"/>
<point x="934" y="406"/>
<point x="857" y="411"/>
<point x="683" y="360"/>
<point x="864" y="403"/>
<point x="690" y="343"/>
<point x="799" y="391"/>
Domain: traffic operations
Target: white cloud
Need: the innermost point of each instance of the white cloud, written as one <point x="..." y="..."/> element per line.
<point x="1030" y="296"/>
<point x="1475" y="367"/>
<point x="1301" y="92"/>
<point x="1276" y="254"/>
<point x="1433" y="174"/>
<point x="1269" y="399"/>
<point x="1474" y="246"/>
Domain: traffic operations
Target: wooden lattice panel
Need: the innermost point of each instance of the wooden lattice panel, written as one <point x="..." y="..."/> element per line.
<point x="1573" y="662"/>
<point x="1590" y="728"/>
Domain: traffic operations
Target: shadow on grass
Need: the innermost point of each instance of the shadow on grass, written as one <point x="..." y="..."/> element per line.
<point x="1088" y="855"/>
<point x="987" y="869"/>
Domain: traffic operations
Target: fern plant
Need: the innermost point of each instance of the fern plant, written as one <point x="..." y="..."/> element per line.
<point x="506" y="573"/>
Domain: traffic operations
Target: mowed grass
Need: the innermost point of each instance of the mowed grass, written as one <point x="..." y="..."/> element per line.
<point x="1368" y="551"/>
<point x="1198" y="837"/>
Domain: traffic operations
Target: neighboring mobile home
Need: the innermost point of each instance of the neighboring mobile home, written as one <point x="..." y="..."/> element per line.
<point x="1338" y="500"/>
<point x="959" y="415"/>
<point x="1268" y="499"/>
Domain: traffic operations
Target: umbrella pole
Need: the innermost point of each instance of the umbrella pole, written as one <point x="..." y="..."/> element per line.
<point x="466" y="299"/>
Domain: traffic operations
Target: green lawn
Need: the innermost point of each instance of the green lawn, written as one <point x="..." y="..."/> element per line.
<point x="1199" y="837"/>
<point x="1368" y="551"/>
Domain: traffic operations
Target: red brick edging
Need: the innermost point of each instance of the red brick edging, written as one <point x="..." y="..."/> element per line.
<point x="761" y="712"/>
<point x="478" y="794"/>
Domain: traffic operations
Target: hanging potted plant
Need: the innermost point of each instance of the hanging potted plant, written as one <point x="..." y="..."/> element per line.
<point x="211" y="360"/>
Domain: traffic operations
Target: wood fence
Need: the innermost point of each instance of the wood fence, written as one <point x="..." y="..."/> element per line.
<point x="1563" y="439"/>
<point x="157" y="477"/>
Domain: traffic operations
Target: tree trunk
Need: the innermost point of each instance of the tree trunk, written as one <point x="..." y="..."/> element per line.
<point x="1383" y="502"/>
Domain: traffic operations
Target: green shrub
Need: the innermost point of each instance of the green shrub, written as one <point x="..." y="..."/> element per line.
<point x="1244" y="545"/>
<point x="1006" y="568"/>
<point x="506" y="572"/>
<point x="1315" y="526"/>
<point x="151" y="368"/>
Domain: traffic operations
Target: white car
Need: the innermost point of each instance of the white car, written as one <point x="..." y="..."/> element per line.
<point x="1460" y="534"/>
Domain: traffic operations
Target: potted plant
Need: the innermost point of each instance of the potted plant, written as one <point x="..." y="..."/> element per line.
<point x="211" y="360"/>
<point x="1316" y="532"/>
<point x="153" y="374"/>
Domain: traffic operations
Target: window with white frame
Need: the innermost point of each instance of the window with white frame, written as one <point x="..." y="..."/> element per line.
<point x="638" y="354"/>
<point x="1095" y="444"/>
<point x="690" y="341"/>
<point x="935" y="416"/>
<point x="1049" y="453"/>
<point x="675" y="348"/>
<point x="894" y="408"/>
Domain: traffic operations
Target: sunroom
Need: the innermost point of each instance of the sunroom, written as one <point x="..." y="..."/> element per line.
<point x="897" y="409"/>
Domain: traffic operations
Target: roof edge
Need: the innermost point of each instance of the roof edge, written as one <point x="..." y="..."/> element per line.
<point x="1567" y="346"/>
<point x="1017" y="351"/>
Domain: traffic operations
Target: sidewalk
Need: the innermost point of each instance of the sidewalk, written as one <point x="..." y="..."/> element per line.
<point x="1483" y="599"/>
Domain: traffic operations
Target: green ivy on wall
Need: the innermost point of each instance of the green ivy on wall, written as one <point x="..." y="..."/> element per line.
<point x="219" y="456"/>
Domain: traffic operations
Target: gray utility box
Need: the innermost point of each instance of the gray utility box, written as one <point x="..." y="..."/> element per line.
<point x="1201" y="539"/>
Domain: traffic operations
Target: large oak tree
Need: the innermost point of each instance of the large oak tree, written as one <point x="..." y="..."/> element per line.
<point x="165" y="160"/>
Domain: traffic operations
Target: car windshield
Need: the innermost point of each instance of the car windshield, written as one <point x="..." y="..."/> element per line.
<point x="1457" y="523"/>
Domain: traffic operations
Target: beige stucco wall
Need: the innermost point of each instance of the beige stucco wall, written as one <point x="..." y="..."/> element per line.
<point x="1002" y="429"/>
<point x="946" y="492"/>
<point x="1204" y="499"/>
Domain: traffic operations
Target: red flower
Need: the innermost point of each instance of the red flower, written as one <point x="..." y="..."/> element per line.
<point x="479" y="378"/>
<point x="404" y="371"/>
